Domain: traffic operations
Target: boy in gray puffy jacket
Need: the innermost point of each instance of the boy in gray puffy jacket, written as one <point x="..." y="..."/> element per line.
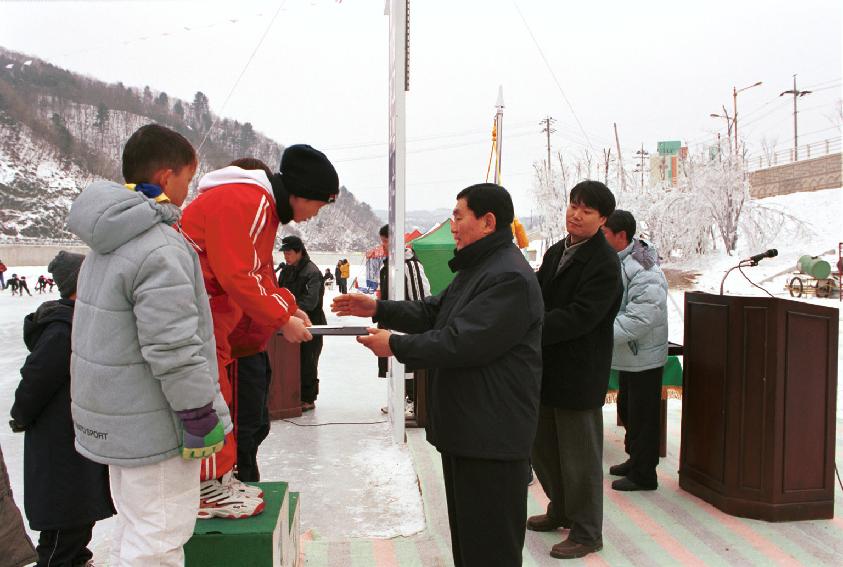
<point x="144" y="382"/>
<point x="640" y="352"/>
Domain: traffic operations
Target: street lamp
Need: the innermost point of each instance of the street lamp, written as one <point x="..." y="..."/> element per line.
<point x="735" y="92"/>
<point x="796" y="94"/>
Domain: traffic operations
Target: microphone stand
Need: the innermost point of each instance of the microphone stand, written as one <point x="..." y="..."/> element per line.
<point x="743" y="264"/>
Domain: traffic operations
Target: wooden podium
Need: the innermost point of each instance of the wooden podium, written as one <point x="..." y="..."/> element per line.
<point x="758" y="407"/>
<point x="285" y="388"/>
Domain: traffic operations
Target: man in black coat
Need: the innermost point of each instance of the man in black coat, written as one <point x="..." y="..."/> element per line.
<point x="64" y="493"/>
<point x="304" y="280"/>
<point x="581" y="286"/>
<point x="480" y="339"/>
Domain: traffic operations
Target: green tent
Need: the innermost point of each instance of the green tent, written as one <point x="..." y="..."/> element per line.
<point x="434" y="249"/>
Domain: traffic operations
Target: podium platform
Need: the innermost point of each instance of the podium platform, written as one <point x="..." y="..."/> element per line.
<point x="270" y="539"/>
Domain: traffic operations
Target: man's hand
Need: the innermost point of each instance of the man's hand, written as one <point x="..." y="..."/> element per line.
<point x="303" y="316"/>
<point x="295" y="331"/>
<point x="357" y="304"/>
<point x="377" y="341"/>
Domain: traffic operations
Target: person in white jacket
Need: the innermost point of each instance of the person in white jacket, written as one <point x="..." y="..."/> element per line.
<point x="640" y="352"/>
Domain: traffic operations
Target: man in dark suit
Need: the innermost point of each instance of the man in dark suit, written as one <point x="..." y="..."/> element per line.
<point x="581" y="286"/>
<point x="480" y="338"/>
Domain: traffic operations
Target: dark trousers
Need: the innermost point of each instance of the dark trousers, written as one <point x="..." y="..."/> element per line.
<point x="64" y="547"/>
<point x="253" y="377"/>
<point x="310" y="352"/>
<point x="639" y="395"/>
<point x="342" y="283"/>
<point x="568" y="460"/>
<point x="487" y="510"/>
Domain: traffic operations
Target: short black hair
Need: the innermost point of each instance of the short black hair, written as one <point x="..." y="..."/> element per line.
<point x="490" y="198"/>
<point x="153" y="148"/>
<point x="384" y="231"/>
<point x="595" y="195"/>
<point x="621" y="220"/>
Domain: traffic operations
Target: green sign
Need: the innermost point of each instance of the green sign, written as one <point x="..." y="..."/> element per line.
<point x="670" y="148"/>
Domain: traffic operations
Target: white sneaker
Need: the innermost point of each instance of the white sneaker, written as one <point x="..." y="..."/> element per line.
<point x="236" y="484"/>
<point x="218" y="500"/>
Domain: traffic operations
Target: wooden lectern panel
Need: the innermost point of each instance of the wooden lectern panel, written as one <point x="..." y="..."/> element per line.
<point x="805" y="407"/>
<point x="753" y="393"/>
<point x="705" y="404"/>
<point x="759" y="406"/>
<point x="285" y="387"/>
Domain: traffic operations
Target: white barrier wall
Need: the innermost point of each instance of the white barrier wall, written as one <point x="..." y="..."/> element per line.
<point x="34" y="254"/>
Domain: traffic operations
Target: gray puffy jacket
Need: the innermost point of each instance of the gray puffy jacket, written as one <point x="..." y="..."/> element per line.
<point x="143" y="339"/>
<point x="641" y="323"/>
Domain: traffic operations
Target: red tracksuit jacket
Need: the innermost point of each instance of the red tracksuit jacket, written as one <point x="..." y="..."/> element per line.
<point x="232" y="225"/>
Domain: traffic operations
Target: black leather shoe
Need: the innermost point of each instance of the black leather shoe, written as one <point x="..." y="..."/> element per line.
<point x="621" y="469"/>
<point x="570" y="549"/>
<point x="544" y="523"/>
<point x="626" y="485"/>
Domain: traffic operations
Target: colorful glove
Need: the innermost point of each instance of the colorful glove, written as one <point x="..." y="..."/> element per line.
<point x="203" y="434"/>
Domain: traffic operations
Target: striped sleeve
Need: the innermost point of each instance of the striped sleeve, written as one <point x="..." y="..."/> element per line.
<point x="233" y="256"/>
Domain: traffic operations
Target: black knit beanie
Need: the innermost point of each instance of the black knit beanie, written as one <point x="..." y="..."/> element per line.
<point x="65" y="269"/>
<point x="307" y="173"/>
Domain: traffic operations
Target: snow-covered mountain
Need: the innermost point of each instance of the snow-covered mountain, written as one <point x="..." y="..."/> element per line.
<point x="59" y="131"/>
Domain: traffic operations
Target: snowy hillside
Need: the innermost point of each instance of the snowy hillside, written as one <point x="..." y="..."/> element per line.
<point x="59" y="131"/>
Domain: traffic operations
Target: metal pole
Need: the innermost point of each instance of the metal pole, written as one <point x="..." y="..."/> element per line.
<point x="795" y="139"/>
<point x="499" y="144"/>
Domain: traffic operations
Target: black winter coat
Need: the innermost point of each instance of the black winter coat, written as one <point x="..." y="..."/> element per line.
<point x="304" y="280"/>
<point x="480" y="340"/>
<point x="577" y="339"/>
<point x="61" y="487"/>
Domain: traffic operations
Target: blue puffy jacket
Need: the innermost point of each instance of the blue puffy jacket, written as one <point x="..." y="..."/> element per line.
<point x="641" y="324"/>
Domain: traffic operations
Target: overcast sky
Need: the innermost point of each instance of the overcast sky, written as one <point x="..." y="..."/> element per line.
<point x="320" y="76"/>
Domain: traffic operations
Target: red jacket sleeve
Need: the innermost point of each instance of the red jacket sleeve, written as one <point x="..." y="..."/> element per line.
<point x="232" y="255"/>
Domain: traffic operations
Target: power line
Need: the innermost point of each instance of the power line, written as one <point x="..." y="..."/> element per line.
<point x="476" y="132"/>
<point x="243" y="72"/>
<point x="426" y="150"/>
<point x="552" y="74"/>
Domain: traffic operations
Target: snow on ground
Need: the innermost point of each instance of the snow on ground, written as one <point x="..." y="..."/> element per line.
<point x="354" y="481"/>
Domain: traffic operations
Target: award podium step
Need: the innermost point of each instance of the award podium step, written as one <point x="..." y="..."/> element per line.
<point x="270" y="539"/>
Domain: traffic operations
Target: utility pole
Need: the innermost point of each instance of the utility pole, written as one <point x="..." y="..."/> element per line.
<point x="621" y="176"/>
<point x="796" y="94"/>
<point x="642" y="153"/>
<point x="548" y="121"/>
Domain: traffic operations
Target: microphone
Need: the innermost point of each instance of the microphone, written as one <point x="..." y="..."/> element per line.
<point x="772" y="252"/>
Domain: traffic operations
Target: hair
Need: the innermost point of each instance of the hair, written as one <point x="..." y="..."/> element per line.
<point x="153" y="148"/>
<point x="384" y="231"/>
<point x="621" y="220"/>
<point x="490" y="198"/>
<point x="252" y="164"/>
<point x="595" y="195"/>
